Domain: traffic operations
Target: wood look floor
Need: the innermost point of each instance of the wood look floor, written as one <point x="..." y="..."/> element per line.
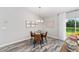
<point x="53" y="45"/>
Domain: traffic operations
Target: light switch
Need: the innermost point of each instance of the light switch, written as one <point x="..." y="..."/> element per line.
<point x="4" y="28"/>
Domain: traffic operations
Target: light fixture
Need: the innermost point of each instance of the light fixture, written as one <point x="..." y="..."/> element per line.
<point x="28" y="25"/>
<point x="41" y="19"/>
<point x="33" y="25"/>
<point x="33" y="22"/>
<point x="28" y="22"/>
<point x="36" y="22"/>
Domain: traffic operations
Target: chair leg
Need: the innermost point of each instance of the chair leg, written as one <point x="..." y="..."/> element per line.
<point x="41" y="44"/>
<point x="30" y="40"/>
<point x="34" y="42"/>
<point x="42" y="41"/>
<point x="46" y="39"/>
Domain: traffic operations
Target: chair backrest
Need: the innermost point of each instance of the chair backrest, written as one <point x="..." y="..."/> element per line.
<point x="45" y="34"/>
<point x="37" y="37"/>
<point x="31" y="34"/>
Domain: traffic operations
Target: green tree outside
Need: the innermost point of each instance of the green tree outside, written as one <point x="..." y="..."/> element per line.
<point x="70" y="26"/>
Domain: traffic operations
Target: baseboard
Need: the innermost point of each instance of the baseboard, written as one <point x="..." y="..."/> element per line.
<point x="14" y="42"/>
<point x="16" y="45"/>
<point x="53" y="37"/>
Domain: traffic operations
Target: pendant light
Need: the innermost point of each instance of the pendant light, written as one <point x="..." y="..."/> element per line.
<point x="40" y="20"/>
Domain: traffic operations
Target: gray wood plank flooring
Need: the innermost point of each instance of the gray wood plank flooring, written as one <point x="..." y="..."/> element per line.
<point x="53" y="45"/>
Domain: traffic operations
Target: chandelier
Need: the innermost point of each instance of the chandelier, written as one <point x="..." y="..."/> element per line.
<point x="40" y="18"/>
<point x="35" y="22"/>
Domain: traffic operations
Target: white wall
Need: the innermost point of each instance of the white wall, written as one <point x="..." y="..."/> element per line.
<point x="13" y="29"/>
<point x="12" y="25"/>
<point x="62" y="26"/>
<point x="56" y="26"/>
<point x="51" y="26"/>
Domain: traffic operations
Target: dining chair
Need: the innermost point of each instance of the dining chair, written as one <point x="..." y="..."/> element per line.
<point x="32" y="34"/>
<point x="37" y="39"/>
<point x="32" y="37"/>
<point x="45" y="36"/>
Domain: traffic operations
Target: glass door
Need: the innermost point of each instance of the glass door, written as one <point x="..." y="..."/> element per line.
<point x="72" y="25"/>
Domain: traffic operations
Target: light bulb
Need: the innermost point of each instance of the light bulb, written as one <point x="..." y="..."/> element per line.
<point x="41" y="21"/>
<point x="28" y="22"/>
<point x="38" y="21"/>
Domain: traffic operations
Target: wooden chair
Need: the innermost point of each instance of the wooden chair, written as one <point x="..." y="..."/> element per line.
<point x="37" y="39"/>
<point x="32" y="37"/>
<point x="45" y="36"/>
<point x="31" y="34"/>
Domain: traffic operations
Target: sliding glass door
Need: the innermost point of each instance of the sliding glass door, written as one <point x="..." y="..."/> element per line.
<point x="77" y="25"/>
<point x="72" y="25"/>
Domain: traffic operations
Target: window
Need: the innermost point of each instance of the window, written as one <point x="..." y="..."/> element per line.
<point x="72" y="25"/>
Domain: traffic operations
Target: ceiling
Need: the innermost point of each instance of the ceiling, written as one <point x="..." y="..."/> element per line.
<point x="50" y="11"/>
<point x="45" y="12"/>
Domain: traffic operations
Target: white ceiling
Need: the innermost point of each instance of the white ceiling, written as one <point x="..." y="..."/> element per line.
<point x="45" y="12"/>
<point x="50" y="11"/>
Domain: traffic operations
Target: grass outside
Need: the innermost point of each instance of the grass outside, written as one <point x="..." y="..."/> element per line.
<point x="70" y="30"/>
